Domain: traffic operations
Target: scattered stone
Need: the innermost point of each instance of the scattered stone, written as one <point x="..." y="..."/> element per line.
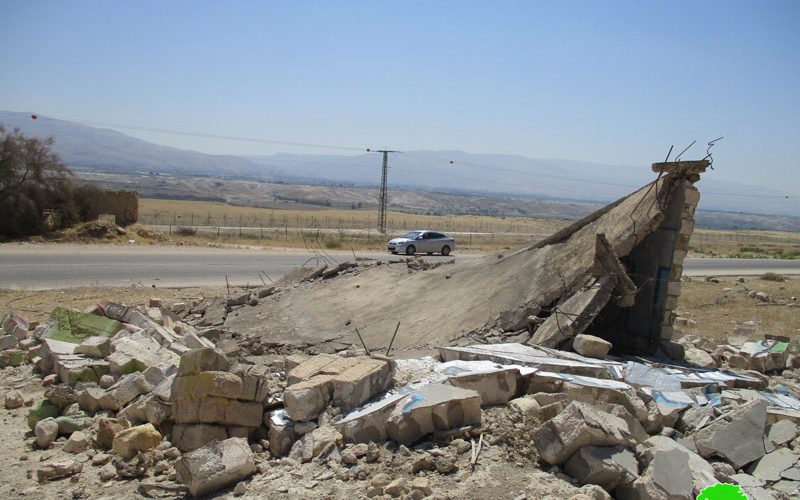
<point x="699" y="357"/>
<point x="78" y="442"/>
<point x="107" y="429"/>
<point x="780" y="433"/>
<point x="108" y="472"/>
<point x="58" y="469"/>
<point x="215" y="466"/>
<point x="434" y="407"/>
<point x="46" y="431"/>
<point x="396" y="488"/>
<point x="14" y="399"/>
<point x="128" y="442"/>
<point x="41" y="410"/>
<point x="579" y="425"/>
<point x="605" y="466"/>
<point x="770" y="467"/>
<point x="737" y="436"/>
<point x="591" y="346"/>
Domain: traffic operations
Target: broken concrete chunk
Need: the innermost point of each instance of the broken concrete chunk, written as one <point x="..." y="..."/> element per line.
<point x="591" y="346"/>
<point x="579" y="425"/>
<point x="771" y="466"/>
<point x="434" y="407"/>
<point x="605" y="466"/>
<point x="737" y="436"/>
<point x="215" y="466"/>
<point x="780" y="433"/>
<point x="494" y="386"/>
<point x="576" y="313"/>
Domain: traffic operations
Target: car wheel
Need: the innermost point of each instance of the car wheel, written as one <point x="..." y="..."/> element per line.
<point x="445" y="250"/>
<point x="410" y="250"/>
<point x="394" y="253"/>
<point x="429" y="253"/>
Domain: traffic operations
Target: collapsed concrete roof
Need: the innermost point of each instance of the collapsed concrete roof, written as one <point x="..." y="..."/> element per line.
<point x="615" y="274"/>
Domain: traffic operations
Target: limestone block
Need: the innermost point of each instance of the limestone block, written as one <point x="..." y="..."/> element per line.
<point x="591" y="346"/>
<point x="577" y="426"/>
<point x="215" y="466"/>
<point x="128" y="442"/>
<point x="362" y="379"/>
<point x="202" y="360"/>
<point x="107" y="429"/>
<point x="192" y="436"/>
<point x="605" y="466"/>
<point x="95" y="347"/>
<point x="216" y="410"/>
<point x="207" y="383"/>
<point x="281" y="434"/>
<point x="368" y="424"/>
<point x="255" y="383"/>
<point x="306" y="400"/>
<point x="699" y="357"/>
<point x="737" y="436"/>
<point x="41" y="410"/>
<point x="434" y="407"/>
<point x="46" y="431"/>
<point x="136" y="355"/>
<point x="495" y="387"/>
<point x="780" y="433"/>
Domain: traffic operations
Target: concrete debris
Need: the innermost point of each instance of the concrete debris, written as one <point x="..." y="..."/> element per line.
<point x="605" y="466"/>
<point x="547" y="373"/>
<point x="344" y="382"/>
<point x="215" y="466"/>
<point x="737" y="436"/>
<point x="580" y="425"/>
<point x="672" y="472"/>
<point x="434" y="407"/>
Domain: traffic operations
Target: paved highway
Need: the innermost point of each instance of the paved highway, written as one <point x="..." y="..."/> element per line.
<point x="33" y="266"/>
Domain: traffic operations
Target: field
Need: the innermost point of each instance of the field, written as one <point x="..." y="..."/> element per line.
<point x="342" y="228"/>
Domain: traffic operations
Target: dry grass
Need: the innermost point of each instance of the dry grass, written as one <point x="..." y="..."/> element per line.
<point x="717" y="312"/>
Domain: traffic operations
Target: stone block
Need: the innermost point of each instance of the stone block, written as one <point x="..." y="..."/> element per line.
<point x="368" y="424"/>
<point x="255" y="383"/>
<point x="202" y="360"/>
<point x="89" y="398"/>
<point x="434" y="407"/>
<point x="216" y="410"/>
<point x="207" y="383"/>
<point x="495" y="387"/>
<point x="136" y="355"/>
<point x="107" y="429"/>
<point x="591" y="346"/>
<point x="8" y="342"/>
<point x="95" y="347"/>
<point x="72" y="326"/>
<point x="362" y="379"/>
<point x="281" y="434"/>
<point x="780" y="433"/>
<point x="192" y="436"/>
<point x="41" y="410"/>
<point x="605" y="466"/>
<point x="771" y="466"/>
<point x="194" y="341"/>
<point x="127" y="443"/>
<point x="579" y="425"/>
<point x="215" y="466"/>
<point x="737" y="436"/>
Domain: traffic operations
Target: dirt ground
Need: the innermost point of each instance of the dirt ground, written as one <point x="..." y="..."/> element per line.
<point x="718" y="307"/>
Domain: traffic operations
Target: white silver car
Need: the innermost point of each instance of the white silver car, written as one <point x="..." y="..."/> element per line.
<point x="429" y="242"/>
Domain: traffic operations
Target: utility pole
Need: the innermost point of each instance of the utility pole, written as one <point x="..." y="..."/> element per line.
<point x="383" y="195"/>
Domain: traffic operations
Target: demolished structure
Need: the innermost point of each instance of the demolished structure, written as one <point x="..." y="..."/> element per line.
<point x="269" y="386"/>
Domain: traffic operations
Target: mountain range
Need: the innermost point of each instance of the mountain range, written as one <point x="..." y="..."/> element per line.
<point x="85" y="147"/>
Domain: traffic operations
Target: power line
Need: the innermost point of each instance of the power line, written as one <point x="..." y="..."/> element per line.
<point x="383" y="194"/>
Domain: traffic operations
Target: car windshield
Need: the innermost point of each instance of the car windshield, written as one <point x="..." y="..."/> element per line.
<point x="412" y="234"/>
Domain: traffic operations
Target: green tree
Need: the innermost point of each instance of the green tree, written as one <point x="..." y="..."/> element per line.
<point x="33" y="179"/>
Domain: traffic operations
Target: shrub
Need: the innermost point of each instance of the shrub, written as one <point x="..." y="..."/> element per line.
<point x="773" y="277"/>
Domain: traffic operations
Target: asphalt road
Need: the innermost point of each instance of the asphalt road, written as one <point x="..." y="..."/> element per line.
<point x="31" y="266"/>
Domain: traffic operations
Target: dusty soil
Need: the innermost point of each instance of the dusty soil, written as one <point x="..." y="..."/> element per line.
<point x="717" y="312"/>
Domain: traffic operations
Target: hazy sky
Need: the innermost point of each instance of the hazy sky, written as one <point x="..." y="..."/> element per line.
<point x="613" y="82"/>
